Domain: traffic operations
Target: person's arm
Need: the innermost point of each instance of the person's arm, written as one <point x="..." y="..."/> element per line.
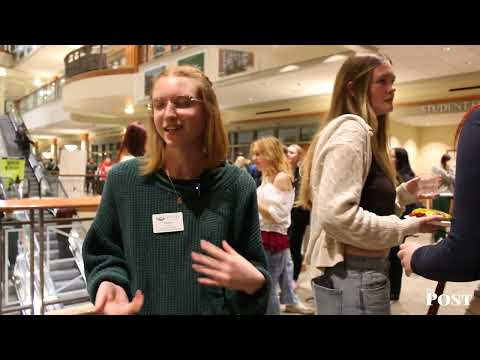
<point x="339" y="190"/>
<point x="457" y="258"/>
<point x="103" y="255"/>
<point x="247" y="242"/>
<point x="278" y="205"/>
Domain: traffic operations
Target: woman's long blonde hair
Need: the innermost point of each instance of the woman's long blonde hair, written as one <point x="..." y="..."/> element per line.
<point x="359" y="70"/>
<point x="215" y="141"/>
<point x="272" y="150"/>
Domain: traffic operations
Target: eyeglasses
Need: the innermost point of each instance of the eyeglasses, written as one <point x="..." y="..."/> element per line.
<point x="180" y="102"/>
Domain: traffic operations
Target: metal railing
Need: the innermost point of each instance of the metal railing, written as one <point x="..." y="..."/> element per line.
<point x="95" y="57"/>
<point x="36" y="259"/>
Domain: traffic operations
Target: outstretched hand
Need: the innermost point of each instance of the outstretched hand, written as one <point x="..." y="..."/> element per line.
<point x="414" y="188"/>
<point x="111" y="299"/>
<point x="226" y="268"/>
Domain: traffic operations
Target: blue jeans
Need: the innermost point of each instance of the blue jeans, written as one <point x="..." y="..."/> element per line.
<point x="357" y="286"/>
<point x="280" y="266"/>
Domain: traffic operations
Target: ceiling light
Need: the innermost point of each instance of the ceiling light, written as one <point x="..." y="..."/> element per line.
<point x="250" y="99"/>
<point x="37" y="82"/>
<point x="3" y="71"/>
<point x="129" y="109"/>
<point x="446" y="49"/>
<point x="289" y="68"/>
<point x="70" y="147"/>
<point x="335" y="58"/>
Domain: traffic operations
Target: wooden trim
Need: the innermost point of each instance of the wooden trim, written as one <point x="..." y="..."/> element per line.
<point x="277" y="118"/>
<point x="90" y="203"/>
<point x="6" y="52"/>
<point x="97" y="73"/>
<point x="132" y="54"/>
<point x="439" y="101"/>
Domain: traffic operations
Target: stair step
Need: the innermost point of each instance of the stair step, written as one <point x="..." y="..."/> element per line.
<point x="75" y="285"/>
<point x="67" y="274"/>
<point x="62" y="264"/>
<point x="73" y="294"/>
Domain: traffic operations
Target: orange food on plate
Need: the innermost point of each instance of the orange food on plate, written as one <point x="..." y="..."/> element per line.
<point x="420" y="212"/>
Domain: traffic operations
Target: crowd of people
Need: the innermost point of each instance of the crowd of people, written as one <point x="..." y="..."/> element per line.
<point x="180" y="230"/>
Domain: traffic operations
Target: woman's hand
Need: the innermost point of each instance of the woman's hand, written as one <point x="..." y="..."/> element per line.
<point x="226" y="268"/>
<point x="111" y="299"/>
<point x="426" y="226"/>
<point x="414" y="188"/>
<point x="405" y="255"/>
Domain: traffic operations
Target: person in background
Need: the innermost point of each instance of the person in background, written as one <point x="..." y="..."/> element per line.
<point x="300" y="216"/>
<point x="447" y="185"/>
<point x="447" y="173"/>
<point x="256" y="174"/>
<point x="177" y="231"/>
<point x="349" y="183"/>
<point x="23" y="140"/>
<point x="405" y="173"/>
<point x="90" y="172"/>
<point x="103" y="170"/>
<point x="457" y="257"/>
<point x="133" y="143"/>
<point x="275" y="201"/>
<point x="241" y="163"/>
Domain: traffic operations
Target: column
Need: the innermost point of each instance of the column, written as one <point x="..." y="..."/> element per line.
<point x="54" y="150"/>
<point x="2" y="95"/>
<point x="84" y="145"/>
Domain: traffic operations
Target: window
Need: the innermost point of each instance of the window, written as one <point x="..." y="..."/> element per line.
<point x="288" y="135"/>
<point x="245" y="137"/>
<point x="265" y="132"/>
<point x="307" y="133"/>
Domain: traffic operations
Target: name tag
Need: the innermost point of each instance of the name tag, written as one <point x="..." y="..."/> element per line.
<point x="168" y="222"/>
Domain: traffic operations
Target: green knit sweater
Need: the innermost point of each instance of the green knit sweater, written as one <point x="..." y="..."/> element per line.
<point x="121" y="247"/>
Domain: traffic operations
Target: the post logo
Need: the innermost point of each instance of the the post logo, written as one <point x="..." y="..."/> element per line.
<point x="445" y="299"/>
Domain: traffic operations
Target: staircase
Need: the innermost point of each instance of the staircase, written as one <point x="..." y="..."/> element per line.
<point x="63" y="278"/>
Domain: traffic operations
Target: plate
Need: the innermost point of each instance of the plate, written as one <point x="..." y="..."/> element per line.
<point x="443" y="223"/>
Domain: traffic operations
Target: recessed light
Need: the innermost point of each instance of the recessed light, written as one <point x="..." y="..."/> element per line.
<point x="335" y="58"/>
<point x="289" y="68"/>
<point x="250" y="99"/>
<point x="129" y="109"/>
<point x="3" y="71"/>
<point x="446" y="49"/>
<point x="468" y="63"/>
<point x="37" y="82"/>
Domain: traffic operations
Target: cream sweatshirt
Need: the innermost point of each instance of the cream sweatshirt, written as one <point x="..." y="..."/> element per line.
<point x="341" y="163"/>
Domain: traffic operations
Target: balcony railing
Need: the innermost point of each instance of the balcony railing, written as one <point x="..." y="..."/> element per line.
<point x="101" y="58"/>
<point x="46" y="94"/>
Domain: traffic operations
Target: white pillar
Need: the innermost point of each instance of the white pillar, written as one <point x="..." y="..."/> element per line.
<point x="2" y="96"/>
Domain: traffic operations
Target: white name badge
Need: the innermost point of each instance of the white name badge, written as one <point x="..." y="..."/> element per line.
<point x="168" y="222"/>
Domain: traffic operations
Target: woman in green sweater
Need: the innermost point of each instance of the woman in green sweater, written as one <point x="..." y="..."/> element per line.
<point x="177" y="232"/>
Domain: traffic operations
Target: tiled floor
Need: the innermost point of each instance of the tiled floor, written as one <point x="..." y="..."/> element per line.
<point x="413" y="298"/>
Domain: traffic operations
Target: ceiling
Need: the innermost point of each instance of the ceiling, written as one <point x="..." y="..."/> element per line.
<point x="315" y="76"/>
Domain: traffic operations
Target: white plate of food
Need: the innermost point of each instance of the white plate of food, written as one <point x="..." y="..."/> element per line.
<point x="421" y="212"/>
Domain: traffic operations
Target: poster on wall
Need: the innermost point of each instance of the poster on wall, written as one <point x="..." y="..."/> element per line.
<point x="234" y="62"/>
<point x="149" y="76"/>
<point x="197" y="60"/>
<point x="12" y="169"/>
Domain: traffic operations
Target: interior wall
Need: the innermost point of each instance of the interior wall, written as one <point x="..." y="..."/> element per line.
<point x="407" y="137"/>
<point x="435" y="141"/>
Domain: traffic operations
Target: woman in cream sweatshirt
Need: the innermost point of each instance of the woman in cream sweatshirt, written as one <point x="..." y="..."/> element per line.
<point x="349" y="184"/>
